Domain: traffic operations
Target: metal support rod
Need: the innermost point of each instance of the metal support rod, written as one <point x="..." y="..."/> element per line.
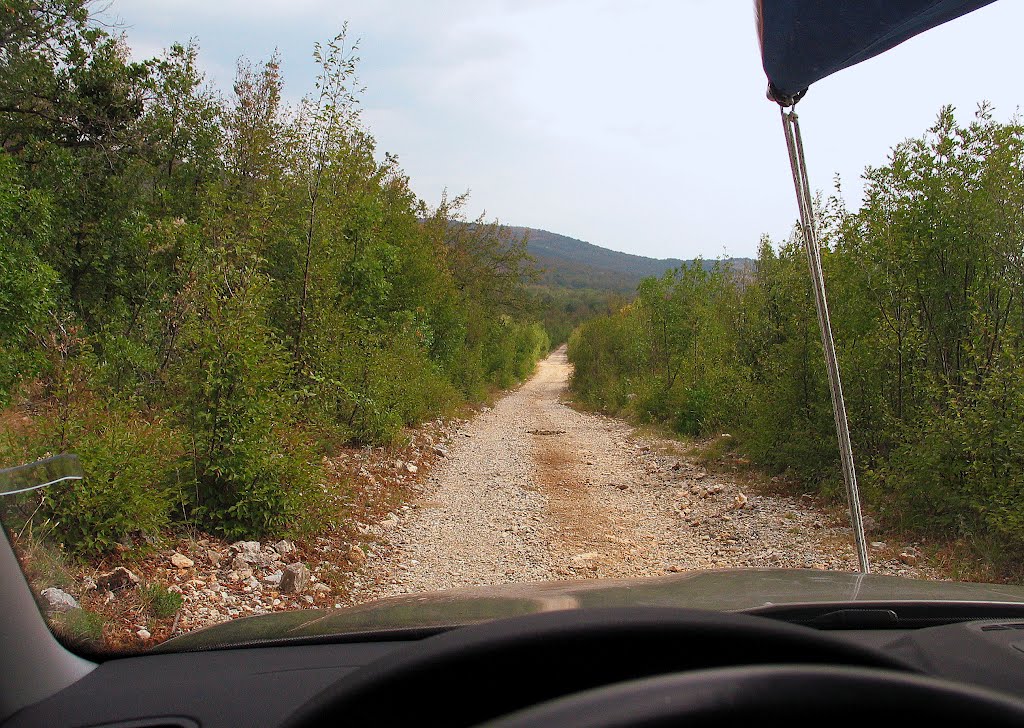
<point x="791" y="127"/>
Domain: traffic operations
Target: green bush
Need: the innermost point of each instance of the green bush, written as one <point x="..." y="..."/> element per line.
<point x="925" y="285"/>
<point x="249" y="476"/>
<point x="511" y="350"/>
<point x="391" y="382"/>
<point x="131" y="469"/>
<point x="606" y="374"/>
<point x="959" y="472"/>
<point x="131" y="458"/>
<point x="693" y="411"/>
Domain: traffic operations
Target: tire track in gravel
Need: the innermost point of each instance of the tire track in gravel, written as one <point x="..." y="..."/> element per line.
<point x="533" y="490"/>
<point x="580" y="465"/>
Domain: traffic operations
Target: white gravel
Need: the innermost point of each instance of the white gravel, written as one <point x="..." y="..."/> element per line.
<point x="533" y="490"/>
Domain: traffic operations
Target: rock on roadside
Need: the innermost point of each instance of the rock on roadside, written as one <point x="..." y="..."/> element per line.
<point x="116" y="580"/>
<point x="295" y="578"/>
<point x="181" y="561"/>
<point x="58" y="600"/>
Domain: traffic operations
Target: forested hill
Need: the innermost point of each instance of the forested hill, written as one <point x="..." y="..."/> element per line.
<point x="561" y="247"/>
<point x="573" y="263"/>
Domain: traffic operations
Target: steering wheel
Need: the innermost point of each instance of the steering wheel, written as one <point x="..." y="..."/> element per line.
<point x="775" y="695"/>
<point x="478" y="673"/>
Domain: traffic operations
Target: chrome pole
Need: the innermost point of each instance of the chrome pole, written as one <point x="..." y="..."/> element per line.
<point x="794" y="143"/>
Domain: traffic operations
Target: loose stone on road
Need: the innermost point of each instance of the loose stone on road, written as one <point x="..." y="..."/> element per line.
<point x="532" y="490"/>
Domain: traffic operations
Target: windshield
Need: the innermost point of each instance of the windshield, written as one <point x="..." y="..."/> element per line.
<point x="262" y="351"/>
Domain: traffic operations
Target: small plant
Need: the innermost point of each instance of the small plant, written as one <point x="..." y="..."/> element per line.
<point x="716" y="449"/>
<point x="160" y="601"/>
<point x="80" y="627"/>
<point x="43" y="563"/>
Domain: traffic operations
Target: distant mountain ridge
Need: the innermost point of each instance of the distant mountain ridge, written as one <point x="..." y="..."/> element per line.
<point x="576" y="263"/>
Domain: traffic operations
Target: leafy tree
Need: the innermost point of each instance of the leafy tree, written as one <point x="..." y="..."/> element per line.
<point x="926" y="287"/>
<point x="28" y="286"/>
<point x="241" y="280"/>
<point x="247" y="481"/>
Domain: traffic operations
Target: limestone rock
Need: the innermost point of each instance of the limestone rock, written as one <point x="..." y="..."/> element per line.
<point x="588" y="560"/>
<point x="116" y="580"/>
<point x="355" y="555"/>
<point x="58" y="600"/>
<point x="909" y="558"/>
<point x="248" y="550"/>
<point x="284" y="547"/>
<point x="181" y="561"/>
<point x="295" y="578"/>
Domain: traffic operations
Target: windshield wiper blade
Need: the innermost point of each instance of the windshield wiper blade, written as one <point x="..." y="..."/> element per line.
<point x="888" y="615"/>
<point x="856" y="619"/>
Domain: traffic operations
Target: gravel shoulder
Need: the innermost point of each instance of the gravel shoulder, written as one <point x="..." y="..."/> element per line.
<point x="533" y="489"/>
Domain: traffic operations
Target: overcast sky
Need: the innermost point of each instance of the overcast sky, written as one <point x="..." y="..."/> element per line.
<point x="638" y="126"/>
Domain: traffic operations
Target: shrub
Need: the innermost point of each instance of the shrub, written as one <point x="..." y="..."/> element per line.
<point x="389" y="382"/>
<point x="606" y="373"/>
<point x="250" y="475"/>
<point x="159" y="601"/>
<point x="131" y="467"/>
<point x="692" y="411"/>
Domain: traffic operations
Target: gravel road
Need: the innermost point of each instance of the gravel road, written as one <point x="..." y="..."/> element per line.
<point x="532" y="489"/>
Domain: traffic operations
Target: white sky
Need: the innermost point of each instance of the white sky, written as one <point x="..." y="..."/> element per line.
<point x="638" y="126"/>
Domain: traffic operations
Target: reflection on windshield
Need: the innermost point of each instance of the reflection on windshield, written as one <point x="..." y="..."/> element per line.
<point x="40" y="474"/>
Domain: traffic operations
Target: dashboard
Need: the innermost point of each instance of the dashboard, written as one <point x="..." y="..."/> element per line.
<point x="473" y="674"/>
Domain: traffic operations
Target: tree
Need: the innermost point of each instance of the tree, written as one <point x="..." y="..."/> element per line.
<point x="28" y="286"/>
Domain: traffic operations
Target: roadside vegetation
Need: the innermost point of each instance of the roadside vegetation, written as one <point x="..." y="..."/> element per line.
<point x="926" y="287"/>
<point x="202" y="295"/>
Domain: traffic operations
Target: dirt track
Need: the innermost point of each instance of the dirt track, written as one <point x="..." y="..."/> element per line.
<point x="533" y="489"/>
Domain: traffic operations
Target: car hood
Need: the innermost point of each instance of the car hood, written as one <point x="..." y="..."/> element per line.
<point x="720" y="590"/>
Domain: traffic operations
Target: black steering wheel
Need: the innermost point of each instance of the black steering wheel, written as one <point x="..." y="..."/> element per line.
<point x="786" y="695"/>
<point x="611" y="667"/>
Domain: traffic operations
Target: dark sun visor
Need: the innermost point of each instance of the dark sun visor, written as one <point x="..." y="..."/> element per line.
<point x="803" y="41"/>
